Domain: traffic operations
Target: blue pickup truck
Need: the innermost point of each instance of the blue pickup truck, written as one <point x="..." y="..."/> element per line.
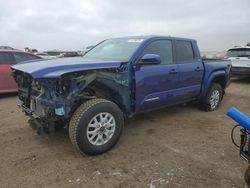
<point x="117" y="79"/>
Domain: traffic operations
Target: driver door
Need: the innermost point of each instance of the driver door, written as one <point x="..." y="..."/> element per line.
<point x="156" y="85"/>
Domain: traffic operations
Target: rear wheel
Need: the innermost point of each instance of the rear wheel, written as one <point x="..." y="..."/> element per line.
<point x="96" y="126"/>
<point x="213" y="98"/>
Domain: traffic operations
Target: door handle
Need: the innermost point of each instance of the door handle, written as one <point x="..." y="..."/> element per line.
<point x="173" y="71"/>
<point x="198" y="69"/>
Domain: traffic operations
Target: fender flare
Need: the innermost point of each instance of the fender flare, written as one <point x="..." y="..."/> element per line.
<point x="210" y="79"/>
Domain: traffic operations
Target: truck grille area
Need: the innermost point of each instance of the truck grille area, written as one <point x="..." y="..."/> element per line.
<point x="24" y="87"/>
<point x="39" y="97"/>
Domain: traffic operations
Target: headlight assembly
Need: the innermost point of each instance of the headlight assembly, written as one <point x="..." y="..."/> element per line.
<point x="38" y="85"/>
<point x="63" y="87"/>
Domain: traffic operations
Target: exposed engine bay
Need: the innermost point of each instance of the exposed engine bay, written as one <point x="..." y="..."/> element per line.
<point x="48" y="101"/>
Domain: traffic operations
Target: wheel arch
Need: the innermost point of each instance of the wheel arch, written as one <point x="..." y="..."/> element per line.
<point x="109" y="90"/>
<point x="106" y="84"/>
<point x="218" y="77"/>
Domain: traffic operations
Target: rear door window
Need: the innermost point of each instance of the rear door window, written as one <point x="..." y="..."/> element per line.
<point x="20" y="57"/>
<point x="6" y="58"/>
<point x="184" y="52"/>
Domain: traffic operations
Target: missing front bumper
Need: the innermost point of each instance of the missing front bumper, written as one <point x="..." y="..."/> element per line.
<point x="41" y="127"/>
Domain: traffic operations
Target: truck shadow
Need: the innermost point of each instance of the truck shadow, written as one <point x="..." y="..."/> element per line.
<point x="153" y="117"/>
<point x="142" y="124"/>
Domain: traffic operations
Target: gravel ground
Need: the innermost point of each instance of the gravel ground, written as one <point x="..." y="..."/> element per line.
<point x="176" y="147"/>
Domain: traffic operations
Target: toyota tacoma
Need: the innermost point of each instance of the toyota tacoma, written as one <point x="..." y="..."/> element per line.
<point x="117" y="79"/>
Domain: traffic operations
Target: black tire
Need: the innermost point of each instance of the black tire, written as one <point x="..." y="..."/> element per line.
<point x="205" y="103"/>
<point x="81" y="118"/>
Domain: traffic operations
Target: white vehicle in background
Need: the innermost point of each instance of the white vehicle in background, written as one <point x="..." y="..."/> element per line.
<point x="45" y="55"/>
<point x="240" y="58"/>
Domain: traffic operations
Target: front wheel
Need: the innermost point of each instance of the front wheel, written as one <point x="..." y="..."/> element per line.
<point x="213" y="98"/>
<point x="96" y="126"/>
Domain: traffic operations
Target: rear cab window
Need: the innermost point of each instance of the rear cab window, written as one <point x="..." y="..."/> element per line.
<point x="184" y="51"/>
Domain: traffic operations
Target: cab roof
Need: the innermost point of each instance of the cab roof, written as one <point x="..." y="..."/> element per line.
<point x="146" y="37"/>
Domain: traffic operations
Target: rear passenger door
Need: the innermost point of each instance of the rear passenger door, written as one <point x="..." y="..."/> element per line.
<point x="190" y="68"/>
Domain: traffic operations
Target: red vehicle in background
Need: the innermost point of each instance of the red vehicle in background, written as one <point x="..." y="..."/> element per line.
<point x="7" y="59"/>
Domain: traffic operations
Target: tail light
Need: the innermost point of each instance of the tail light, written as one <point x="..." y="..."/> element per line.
<point x="248" y="57"/>
<point x="225" y="57"/>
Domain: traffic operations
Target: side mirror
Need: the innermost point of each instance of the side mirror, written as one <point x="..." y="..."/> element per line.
<point x="150" y="59"/>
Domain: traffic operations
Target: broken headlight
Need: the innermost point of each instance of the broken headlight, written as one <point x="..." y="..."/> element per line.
<point x="36" y="85"/>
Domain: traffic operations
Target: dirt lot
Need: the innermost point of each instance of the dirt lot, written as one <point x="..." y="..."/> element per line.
<point x="176" y="147"/>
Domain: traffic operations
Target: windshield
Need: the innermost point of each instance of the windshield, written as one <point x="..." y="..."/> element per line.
<point x="239" y="52"/>
<point x="115" y="49"/>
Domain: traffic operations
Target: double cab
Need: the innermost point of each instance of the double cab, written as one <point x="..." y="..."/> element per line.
<point x="117" y="79"/>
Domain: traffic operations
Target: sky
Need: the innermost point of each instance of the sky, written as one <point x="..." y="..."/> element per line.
<point x="73" y="24"/>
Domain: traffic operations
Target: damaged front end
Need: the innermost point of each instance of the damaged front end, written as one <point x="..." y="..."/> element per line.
<point x="50" y="102"/>
<point x="39" y="100"/>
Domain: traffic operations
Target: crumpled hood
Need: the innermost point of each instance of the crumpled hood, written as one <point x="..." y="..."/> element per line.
<point x="53" y="68"/>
